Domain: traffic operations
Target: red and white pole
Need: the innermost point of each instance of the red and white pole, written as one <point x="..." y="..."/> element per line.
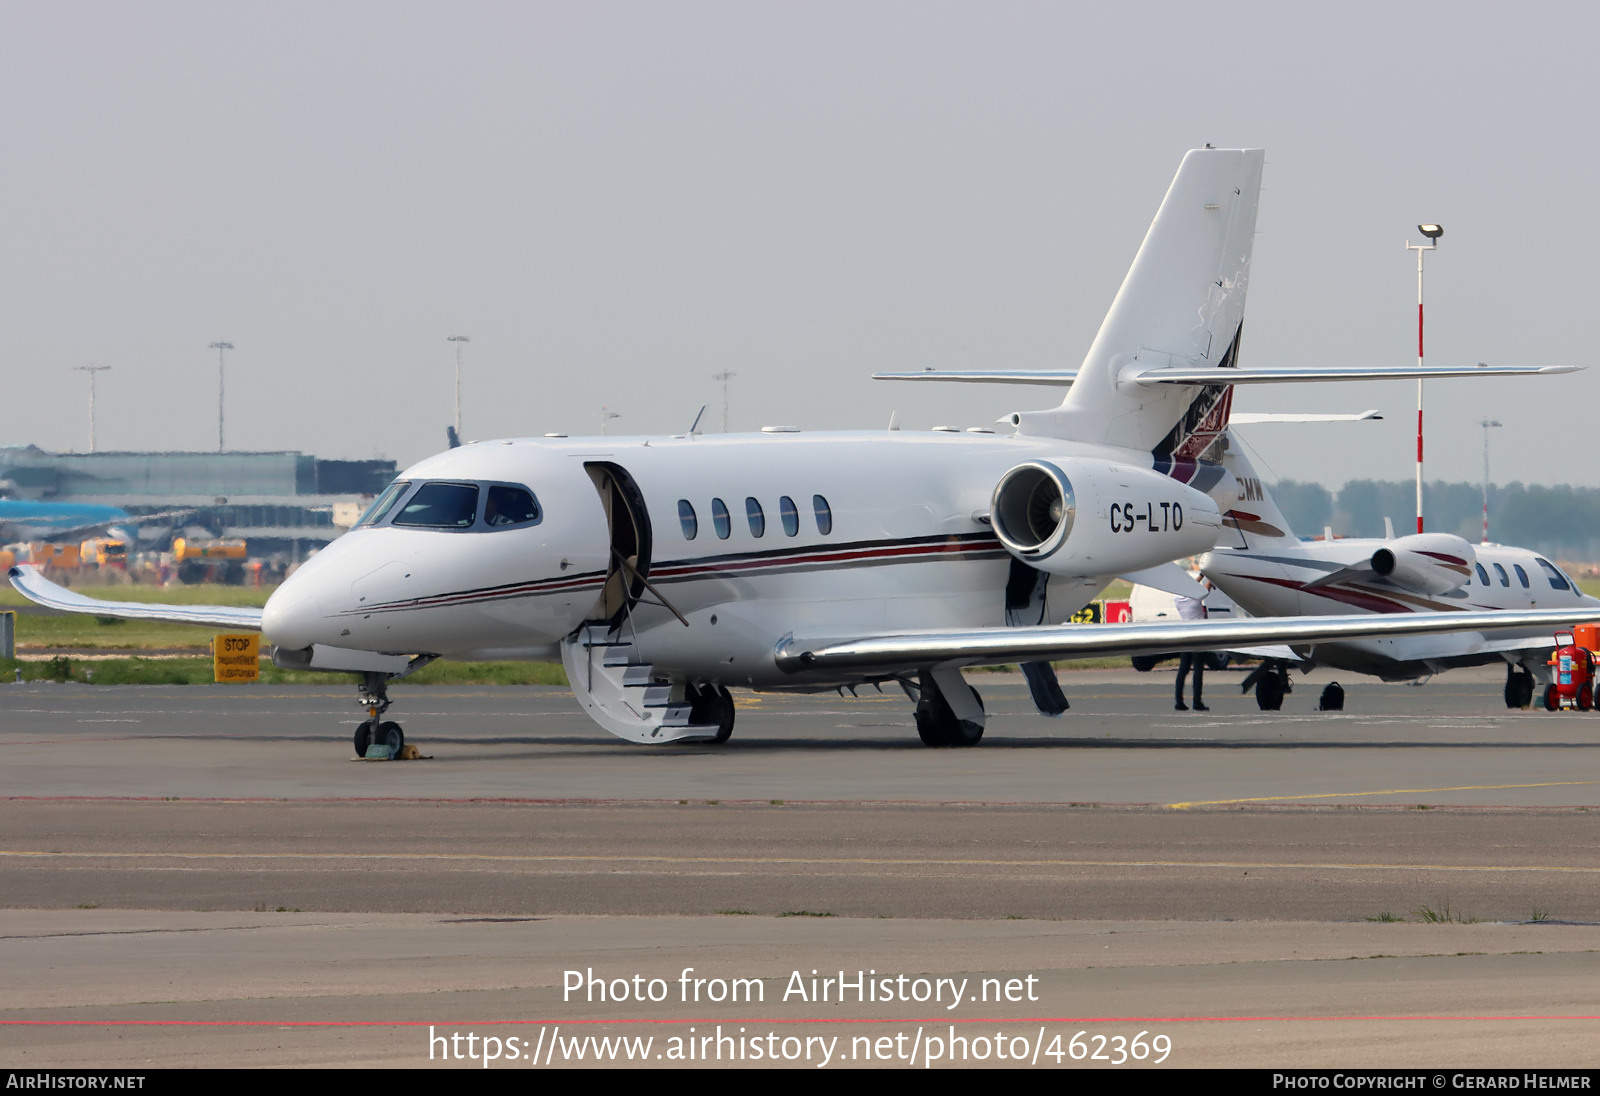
<point x="1432" y="233"/>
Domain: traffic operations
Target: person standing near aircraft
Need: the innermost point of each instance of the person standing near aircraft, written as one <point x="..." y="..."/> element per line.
<point x="1190" y="608"/>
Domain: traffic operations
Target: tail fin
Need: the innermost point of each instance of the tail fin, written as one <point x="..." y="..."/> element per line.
<point x="1182" y="304"/>
<point x="1253" y="520"/>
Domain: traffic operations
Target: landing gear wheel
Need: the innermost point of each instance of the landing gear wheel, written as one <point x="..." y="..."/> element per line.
<point x="1519" y="688"/>
<point x="1332" y="698"/>
<point x="390" y="734"/>
<point x="363" y="737"/>
<point x="1269" y="693"/>
<point x="1144" y="663"/>
<point x="712" y="705"/>
<point x="937" y="725"/>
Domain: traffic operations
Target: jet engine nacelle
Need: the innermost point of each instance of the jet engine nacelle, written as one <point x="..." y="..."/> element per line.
<point x="1087" y="517"/>
<point x="1433" y="563"/>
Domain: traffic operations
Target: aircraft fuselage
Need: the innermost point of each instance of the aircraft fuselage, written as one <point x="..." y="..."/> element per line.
<point x="751" y="538"/>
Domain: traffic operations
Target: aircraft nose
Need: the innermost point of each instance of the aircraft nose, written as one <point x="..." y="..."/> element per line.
<point x="292" y="618"/>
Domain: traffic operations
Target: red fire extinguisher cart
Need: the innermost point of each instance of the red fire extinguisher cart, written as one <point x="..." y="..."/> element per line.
<point x="1571" y="676"/>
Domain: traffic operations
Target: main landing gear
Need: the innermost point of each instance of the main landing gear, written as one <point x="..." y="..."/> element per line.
<point x="1271" y="681"/>
<point x="1519" y="686"/>
<point x="941" y="723"/>
<point x="711" y="706"/>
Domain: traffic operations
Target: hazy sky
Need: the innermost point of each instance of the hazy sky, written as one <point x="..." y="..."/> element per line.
<point x="617" y="200"/>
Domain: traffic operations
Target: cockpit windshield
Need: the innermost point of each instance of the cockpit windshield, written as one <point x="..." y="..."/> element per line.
<point x="479" y="507"/>
<point x="382" y="504"/>
<point x="509" y="506"/>
<point x="441" y="506"/>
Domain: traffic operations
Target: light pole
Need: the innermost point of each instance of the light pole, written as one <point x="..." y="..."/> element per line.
<point x="91" y="370"/>
<point x="1432" y="232"/>
<point x="458" y="340"/>
<point x="222" y="349"/>
<point x="725" y="376"/>
<point x="1487" y="425"/>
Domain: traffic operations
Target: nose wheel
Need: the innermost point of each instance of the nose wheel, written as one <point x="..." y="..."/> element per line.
<point x="388" y="734"/>
<point x="374" y="730"/>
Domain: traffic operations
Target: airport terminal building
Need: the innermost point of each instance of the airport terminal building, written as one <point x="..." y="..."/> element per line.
<point x="284" y="503"/>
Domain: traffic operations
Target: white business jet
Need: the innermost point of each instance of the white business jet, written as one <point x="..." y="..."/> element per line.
<point x="661" y="571"/>
<point x="1268" y="571"/>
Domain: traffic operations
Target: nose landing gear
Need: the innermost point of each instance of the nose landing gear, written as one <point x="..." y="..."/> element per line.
<point x="373" y="695"/>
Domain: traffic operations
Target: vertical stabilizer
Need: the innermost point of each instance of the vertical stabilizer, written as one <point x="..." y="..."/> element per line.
<point x="1182" y="304"/>
<point x="1252" y="520"/>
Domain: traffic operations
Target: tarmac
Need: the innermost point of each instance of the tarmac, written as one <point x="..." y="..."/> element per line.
<point x="203" y="876"/>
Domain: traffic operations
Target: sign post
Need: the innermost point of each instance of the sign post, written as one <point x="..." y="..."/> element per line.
<point x="236" y="658"/>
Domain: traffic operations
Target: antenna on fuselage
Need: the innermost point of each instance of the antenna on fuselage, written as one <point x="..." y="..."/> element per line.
<point x="452" y="437"/>
<point x="694" y="425"/>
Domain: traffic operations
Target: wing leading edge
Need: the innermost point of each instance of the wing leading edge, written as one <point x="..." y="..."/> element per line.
<point x="40" y="590"/>
<point x="989" y="646"/>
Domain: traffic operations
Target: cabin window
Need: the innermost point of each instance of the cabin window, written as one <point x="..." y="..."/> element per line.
<point x="1522" y="576"/>
<point x="383" y="503"/>
<point x="1558" y="581"/>
<point x="441" y="506"/>
<point x="720" y="519"/>
<point x="1483" y="576"/>
<point x="790" y="516"/>
<point x="758" y="519"/>
<point x="506" y="506"/>
<point x="1505" y="580"/>
<point x="824" y="514"/>
<point x="686" y="518"/>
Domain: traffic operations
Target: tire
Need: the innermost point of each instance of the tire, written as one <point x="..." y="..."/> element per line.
<point x="1269" y="693"/>
<point x="1217" y="660"/>
<point x="712" y="705"/>
<point x="1585" y="699"/>
<point x="1332" y="698"/>
<point x="390" y="734"/>
<point x="363" y="738"/>
<point x="938" y="726"/>
<point x="1144" y="663"/>
<point x="1552" y="700"/>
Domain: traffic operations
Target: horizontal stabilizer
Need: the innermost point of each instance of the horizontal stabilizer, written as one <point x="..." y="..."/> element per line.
<point x="1248" y="418"/>
<point x="1061" y="378"/>
<point x="994" y="646"/>
<point x="40" y="590"/>
<point x="1136" y="374"/>
<point x="1168" y="578"/>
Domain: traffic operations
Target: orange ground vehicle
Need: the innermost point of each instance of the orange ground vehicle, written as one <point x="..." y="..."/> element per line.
<point x="1571" y="676"/>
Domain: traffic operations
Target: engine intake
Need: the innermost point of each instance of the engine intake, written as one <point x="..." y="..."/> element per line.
<point x="1432" y="563"/>
<point x="1089" y="518"/>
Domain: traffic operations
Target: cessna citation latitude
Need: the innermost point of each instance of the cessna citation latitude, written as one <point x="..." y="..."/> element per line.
<point x="660" y="571"/>
<point x="1268" y="571"/>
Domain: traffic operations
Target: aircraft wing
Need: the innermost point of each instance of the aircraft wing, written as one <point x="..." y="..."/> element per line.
<point x="40" y="590"/>
<point x="991" y="646"/>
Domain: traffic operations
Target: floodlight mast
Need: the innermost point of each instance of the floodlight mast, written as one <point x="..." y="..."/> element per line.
<point x="222" y="349"/>
<point x="1432" y="232"/>
<point x="1487" y="425"/>
<point x="458" y="340"/>
<point x="91" y="370"/>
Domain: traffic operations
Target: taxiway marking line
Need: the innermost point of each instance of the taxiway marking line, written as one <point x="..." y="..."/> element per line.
<point x="1383" y="791"/>
<point x="39" y="854"/>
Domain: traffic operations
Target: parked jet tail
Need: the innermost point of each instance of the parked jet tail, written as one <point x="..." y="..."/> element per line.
<point x="1181" y="305"/>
